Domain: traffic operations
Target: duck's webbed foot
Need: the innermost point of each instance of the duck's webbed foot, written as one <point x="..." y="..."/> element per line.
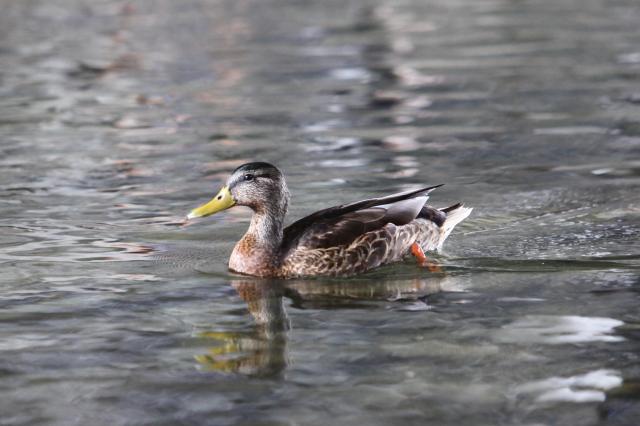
<point x="417" y="251"/>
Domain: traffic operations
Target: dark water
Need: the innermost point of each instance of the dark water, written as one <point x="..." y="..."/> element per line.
<point x="116" y="119"/>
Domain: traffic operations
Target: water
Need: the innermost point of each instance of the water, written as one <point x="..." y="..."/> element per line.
<point x="117" y="118"/>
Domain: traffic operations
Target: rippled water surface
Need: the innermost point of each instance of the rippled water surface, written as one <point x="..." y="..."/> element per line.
<point x="117" y="118"/>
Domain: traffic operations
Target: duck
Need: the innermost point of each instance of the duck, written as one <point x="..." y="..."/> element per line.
<point x="343" y="240"/>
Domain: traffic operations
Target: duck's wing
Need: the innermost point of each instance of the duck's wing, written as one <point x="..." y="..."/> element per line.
<point x="341" y="225"/>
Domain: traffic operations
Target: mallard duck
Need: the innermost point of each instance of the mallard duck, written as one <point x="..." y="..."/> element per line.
<point x="341" y="240"/>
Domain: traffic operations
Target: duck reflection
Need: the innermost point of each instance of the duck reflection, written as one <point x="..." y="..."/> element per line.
<point x="312" y="293"/>
<point x="263" y="351"/>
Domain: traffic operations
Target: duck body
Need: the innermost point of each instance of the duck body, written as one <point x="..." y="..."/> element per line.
<point x="342" y="240"/>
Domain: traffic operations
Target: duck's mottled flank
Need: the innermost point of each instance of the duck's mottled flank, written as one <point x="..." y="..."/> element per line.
<point x="388" y="244"/>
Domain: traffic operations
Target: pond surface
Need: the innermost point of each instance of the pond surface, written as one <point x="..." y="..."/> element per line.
<point x="117" y="118"/>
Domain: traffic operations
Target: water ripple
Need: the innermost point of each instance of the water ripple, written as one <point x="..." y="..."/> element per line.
<point x="555" y="330"/>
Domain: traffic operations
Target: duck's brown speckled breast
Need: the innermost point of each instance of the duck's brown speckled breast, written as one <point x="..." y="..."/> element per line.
<point x="248" y="259"/>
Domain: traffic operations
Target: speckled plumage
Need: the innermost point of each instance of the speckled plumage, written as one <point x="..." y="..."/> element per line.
<point x="388" y="244"/>
<point x="342" y="240"/>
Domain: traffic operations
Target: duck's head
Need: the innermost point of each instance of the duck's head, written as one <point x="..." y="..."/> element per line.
<point x="260" y="186"/>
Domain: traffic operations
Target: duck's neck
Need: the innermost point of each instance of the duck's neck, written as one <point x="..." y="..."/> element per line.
<point x="265" y="230"/>
<point x="257" y="253"/>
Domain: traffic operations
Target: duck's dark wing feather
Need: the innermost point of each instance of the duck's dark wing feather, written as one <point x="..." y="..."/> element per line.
<point x="342" y="224"/>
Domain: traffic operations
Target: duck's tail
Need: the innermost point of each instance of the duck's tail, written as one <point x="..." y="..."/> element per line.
<point x="455" y="214"/>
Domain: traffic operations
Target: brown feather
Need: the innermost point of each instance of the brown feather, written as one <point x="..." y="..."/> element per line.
<point x="344" y="229"/>
<point x="384" y="245"/>
<point x="309" y="228"/>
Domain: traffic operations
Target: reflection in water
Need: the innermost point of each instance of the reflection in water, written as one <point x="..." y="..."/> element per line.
<point x="263" y="352"/>
<point x="560" y="329"/>
<point x="345" y="292"/>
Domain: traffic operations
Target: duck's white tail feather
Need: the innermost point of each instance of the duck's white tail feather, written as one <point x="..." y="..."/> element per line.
<point x="454" y="217"/>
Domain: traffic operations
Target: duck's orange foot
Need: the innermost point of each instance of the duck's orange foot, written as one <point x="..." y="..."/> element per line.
<point x="417" y="251"/>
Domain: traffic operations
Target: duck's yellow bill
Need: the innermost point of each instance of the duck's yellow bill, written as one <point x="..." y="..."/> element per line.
<point x="220" y="202"/>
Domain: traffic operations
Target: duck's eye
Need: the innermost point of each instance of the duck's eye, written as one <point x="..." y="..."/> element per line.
<point x="249" y="177"/>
